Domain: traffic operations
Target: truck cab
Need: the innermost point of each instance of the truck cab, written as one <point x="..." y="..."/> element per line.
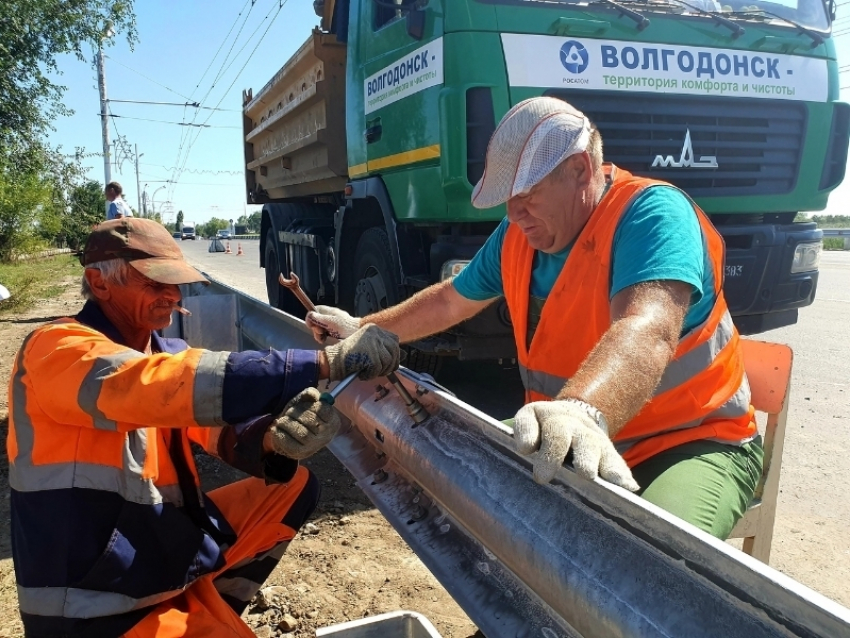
<point x="364" y="148"/>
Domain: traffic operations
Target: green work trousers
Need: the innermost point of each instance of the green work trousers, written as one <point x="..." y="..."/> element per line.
<point x="706" y="483"/>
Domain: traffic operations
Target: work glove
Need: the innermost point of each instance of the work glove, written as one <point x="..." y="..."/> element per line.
<point x="371" y="351"/>
<point x="327" y="321"/>
<point x="305" y="427"/>
<point x="547" y="430"/>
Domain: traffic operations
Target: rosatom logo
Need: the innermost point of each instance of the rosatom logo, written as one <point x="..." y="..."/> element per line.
<point x="574" y="56"/>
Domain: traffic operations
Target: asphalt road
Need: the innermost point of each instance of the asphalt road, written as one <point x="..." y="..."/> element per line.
<point x="810" y="542"/>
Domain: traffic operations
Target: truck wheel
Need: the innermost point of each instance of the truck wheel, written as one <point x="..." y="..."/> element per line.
<point x="279" y="297"/>
<point x="377" y="288"/>
<point x="377" y="280"/>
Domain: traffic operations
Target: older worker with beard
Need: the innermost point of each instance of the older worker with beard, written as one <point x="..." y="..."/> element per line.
<point x="111" y="533"/>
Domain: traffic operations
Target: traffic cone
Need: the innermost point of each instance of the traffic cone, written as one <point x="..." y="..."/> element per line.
<point x="228" y="251"/>
<point x="239" y="252"/>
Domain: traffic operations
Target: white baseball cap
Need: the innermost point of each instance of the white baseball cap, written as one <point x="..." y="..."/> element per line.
<point x="531" y="140"/>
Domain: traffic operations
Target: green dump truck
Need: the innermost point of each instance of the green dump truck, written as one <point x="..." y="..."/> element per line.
<point x="365" y="146"/>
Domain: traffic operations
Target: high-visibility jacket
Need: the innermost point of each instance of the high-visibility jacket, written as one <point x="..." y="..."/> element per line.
<point x="703" y="393"/>
<point x="108" y="518"/>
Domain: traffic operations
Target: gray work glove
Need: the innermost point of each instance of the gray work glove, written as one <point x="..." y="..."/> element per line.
<point x="371" y="351"/>
<point x="327" y="321"/>
<point x="305" y="427"/>
<point x="546" y="430"/>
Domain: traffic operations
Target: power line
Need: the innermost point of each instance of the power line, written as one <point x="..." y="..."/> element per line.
<point x="195" y="171"/>
<point x="147" y="78"/>
<point x="194" y="105"/>
<point x="220" y="46"/>
<point x="143" y="119"/>
<point x="185" y="136"/>
<point x="173" y="183"/>
<point x="239" y="73"/>
<point x="251" y="37"/>
<point x="201" y="184"/>
<point x="221" y="69"/>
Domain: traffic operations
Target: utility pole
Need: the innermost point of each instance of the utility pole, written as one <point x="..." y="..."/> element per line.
<point x="138" y="185"/>
<point x="104" y="120"/>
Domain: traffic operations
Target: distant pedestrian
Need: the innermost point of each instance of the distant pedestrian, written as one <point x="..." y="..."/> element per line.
<point x="117" y="207"/>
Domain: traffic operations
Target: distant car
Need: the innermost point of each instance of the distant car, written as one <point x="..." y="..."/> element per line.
<point x="177" y="235"/>
<point x="224" y="234"/>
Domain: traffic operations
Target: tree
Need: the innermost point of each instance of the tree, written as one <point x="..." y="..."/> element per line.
<point x="251" y="222"/>
<point x="87" y="203"/>
<point x="832" y="221"/>
<point x="25" y="196"/>
<point x="33" y="34"/>
<point x="213" y="226"/>
<point x="39" y="201"/>
<point x="178" y="225"/>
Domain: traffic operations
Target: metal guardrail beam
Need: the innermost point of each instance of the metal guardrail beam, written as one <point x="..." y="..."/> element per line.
<point x="836" y="232"/>
<point x="573" y="558"/>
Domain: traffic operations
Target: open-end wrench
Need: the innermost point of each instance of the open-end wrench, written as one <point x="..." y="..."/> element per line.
<point x="295" y="286"/>
<point x="414" y="408"/>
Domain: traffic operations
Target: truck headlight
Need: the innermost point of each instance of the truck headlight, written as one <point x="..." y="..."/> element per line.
<point x="452" y="268"/>
<point x="806" y="257"/>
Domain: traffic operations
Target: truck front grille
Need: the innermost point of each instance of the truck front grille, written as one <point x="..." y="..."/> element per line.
<point x="757" y="144"/>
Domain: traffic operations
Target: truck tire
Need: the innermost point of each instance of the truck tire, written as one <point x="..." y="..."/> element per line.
<point x="376" y="278"/>
<point x="279" y="297"/>
<point x="377" y="288"/>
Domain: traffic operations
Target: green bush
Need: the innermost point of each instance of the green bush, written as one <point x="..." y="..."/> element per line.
<point x="35" y="279"/>
<point x="833" y="243"/>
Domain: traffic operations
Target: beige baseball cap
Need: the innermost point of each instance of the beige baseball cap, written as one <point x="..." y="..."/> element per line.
<point x="531" y="140"/>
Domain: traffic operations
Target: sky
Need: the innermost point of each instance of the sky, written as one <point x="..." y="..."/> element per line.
<point x="183" y="46"/>
<point x="210" y="52"/>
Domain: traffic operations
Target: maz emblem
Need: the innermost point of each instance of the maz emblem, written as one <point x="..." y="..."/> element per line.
<point x="686" y="160"/>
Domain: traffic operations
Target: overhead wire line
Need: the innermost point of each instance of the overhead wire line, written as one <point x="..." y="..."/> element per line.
<point x="221" y="46"/>
<point x="238" y="74"/>
<point x="251" y="37"/>
<point x="194" y="171"/>
<point x="147" y="78"/>
<point x="186" y="135"/>
<point x="221" y="69"/>
<point x="195" y="105"/>
<point x="144" y="119"/>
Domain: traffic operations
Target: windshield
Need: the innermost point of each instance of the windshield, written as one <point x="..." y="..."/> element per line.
<point x="808" y="13"/>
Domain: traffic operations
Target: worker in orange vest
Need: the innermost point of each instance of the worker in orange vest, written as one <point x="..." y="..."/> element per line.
<point x="111" y="532"/>
<point x="626" y="348"/>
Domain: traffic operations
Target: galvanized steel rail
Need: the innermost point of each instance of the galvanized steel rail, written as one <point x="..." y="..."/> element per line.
<point x="574" y="558"/>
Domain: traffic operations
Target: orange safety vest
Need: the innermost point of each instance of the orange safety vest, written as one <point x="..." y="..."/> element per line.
<point x="703" y="393"/>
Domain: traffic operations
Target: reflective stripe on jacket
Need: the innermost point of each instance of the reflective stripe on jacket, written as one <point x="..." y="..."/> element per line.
<point x="703" y="393"/>
<point x="107" y="513"/>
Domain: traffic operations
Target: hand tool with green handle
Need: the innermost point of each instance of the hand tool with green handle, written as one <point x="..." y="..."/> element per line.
<point x="329" y="397"/>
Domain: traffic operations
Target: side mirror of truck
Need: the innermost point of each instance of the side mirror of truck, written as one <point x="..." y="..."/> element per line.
<point x="416" y="22"/>
<point x="830" y="8"/>
<point x="411" y="10"/>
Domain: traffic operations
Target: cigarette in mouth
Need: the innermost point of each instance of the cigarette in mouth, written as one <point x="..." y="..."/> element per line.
<point x="183" y="311"/>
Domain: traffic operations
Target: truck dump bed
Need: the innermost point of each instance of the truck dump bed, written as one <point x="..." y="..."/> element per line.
<point x="295" y="127"/>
